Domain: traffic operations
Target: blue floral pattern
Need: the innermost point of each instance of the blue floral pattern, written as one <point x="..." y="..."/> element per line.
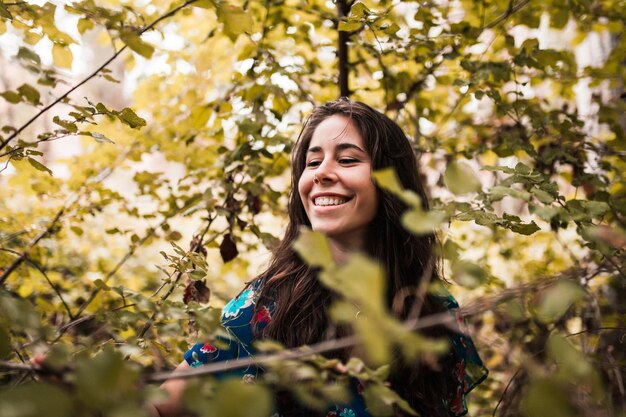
<point x="243" y="326"/>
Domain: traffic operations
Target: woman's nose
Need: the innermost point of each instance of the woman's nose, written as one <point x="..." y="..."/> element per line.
<point x="325" y="172"/>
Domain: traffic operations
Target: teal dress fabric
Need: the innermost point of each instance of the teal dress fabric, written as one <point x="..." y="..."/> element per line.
<point x="243" y="325"/>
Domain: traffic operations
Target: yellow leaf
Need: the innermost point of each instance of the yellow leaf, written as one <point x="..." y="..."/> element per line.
<point x="314" y="249"/>
<point x="62" y="56"/>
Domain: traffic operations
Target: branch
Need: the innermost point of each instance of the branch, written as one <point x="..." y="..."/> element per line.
<point x="194" y="248"/>
<point x="343" y="8"/>
<point x="33" y="242"/>
<point x="102" y="174"/>
<point x="92" y="75"/>
<point x="298" y="353"/>
<point x="510" y="11"/>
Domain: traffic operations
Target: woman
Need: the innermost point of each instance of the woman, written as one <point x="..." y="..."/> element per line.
<point x="340" y="145"/>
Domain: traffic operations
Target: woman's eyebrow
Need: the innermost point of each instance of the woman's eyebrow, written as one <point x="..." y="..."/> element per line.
<point x="339" y="147"/>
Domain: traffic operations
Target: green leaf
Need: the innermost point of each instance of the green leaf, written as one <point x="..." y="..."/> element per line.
<point x="460" y="178"/>
<point x="62" y="56"/>
<point x="134" y="42"/>
<point x="70" y="126"/>
<point x="234" y="398"/>
<point x="359" y="11"/>
<point x="525" y="228"/>
<point x="387" y="179"/>
<point x="543" y="196"/>
<point x="468" y="274"/>
<point x="30" y="92"/>
<point x="349" y="26"/>
<point x="555" y="300"/>
<point x="546" y="397"/>
<point x="100" y="138"/>
<point x="313" y="247"/>
<point x="422" y="222"/>
<point x="35" y="399"/>
<point x="28" y="55"/>
<point x="571" y="361"/>
<point x="4" y="11"/>
<point x="11" y="97"/>
<point x="38" y="165"/>
<point x="235" y="20"/>
<point x="360" y="280"/>
<point x="129" y="117"/>
<point x="84" y="25"/>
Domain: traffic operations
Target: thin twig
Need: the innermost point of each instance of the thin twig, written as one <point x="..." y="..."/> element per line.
<point x="90" y="76"/>
<point x="179" y="275"/>
<point x="322" y="347"/>
<point x="32" y="243"/>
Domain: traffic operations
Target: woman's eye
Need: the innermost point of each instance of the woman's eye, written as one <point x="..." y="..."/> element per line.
<point x="312" y="163"/>
<point x="347" y="160"/>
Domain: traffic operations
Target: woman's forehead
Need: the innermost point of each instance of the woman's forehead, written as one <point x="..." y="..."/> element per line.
<point x="335" y="130"/>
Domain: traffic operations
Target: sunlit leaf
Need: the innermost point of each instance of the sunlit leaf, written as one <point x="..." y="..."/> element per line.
<point x="460" y="178"/>
<point x="313" y="247"/>
<point x="422" y="222"/>
<point x="4" y="11"/>
<point x="39" y="166"/>
<point x="129" y="117"/>
<point x="62" y="56"/>
<point x="388" y="179"/>
<point x="134" y="42"/>
<point x="236" y="20"/>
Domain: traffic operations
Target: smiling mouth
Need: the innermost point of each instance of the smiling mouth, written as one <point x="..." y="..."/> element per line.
<point x="330" y="201"/>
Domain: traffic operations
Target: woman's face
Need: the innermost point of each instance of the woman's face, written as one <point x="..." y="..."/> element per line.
<point x="343" y="200"/>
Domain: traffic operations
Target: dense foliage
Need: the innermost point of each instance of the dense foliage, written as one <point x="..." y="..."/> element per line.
<point x="116" y="257"/>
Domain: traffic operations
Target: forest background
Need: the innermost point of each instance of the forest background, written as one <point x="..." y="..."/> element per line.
<point x="144" y="164"/>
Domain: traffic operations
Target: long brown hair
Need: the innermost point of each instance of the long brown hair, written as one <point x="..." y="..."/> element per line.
<point x="300" y="316"/>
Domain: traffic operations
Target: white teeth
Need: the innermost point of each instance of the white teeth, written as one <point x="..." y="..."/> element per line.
<point x="329" y="201"/>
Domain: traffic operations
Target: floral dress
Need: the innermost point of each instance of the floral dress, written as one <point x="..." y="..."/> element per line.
<point x="242" y="324"/>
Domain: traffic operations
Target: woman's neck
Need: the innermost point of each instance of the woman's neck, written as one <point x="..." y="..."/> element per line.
<point x="341" y="249"/>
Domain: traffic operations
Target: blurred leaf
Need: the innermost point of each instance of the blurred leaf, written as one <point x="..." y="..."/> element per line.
<point x="4" y="11"/>
<point x="422" y="222"/>
<point x="35" y="399"/>
<point x="129" y="117"/>
<point x="468" y="274"/>
<point x="314" y="249"/>
<point x="31" y="93"/>
<point x="236" y="20"/>
<point x="38" y="165"/>
<point x="11" y="96"/>
<point x="388" y="179"/>
<point x="572" y="362"/>
<point x="545" y="397"/>
<point x="234" y="398"/>
<point x="134" y="42"/>
<point x="349" y="26"/>
<point x="84" y="25"/>
<point x="100" y="138"/>
<point x="62" y="56"/>
<point x="554" y="301"/>
<point x="460" y="178"/>
<point x="380" y="401"/>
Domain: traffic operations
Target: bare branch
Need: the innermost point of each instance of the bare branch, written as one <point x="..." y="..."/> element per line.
<point x="90" y="76"/>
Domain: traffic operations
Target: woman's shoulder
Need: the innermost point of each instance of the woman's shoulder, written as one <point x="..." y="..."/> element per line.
<point x="244" y="303"/>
